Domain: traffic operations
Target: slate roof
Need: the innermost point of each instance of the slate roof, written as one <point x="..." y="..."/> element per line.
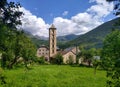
<point x="43" y="46"/>
<point x="70" y="49"/>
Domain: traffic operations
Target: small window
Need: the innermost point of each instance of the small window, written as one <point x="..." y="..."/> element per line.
<point x="53" y="51"/>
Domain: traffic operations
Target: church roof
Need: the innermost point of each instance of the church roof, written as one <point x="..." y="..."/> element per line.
<point x="70" y="49"/>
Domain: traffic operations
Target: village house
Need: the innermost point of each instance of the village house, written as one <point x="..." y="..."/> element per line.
<point x="69" y="55"/>
<point x="43" y="51"/>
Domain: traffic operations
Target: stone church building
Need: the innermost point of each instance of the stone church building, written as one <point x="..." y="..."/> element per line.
<point x="51" y="51"/>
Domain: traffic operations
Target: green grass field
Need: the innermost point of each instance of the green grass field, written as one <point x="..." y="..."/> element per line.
<point x="54" y="76"/>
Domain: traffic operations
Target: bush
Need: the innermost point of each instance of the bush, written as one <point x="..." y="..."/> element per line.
<point x="71" y="61"/>
<point x="41" y="60"/>
<point x="59" y="59"/>
<point x="2" y="77"/>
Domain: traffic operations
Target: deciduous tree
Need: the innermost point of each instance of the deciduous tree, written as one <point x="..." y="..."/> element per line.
<point x="111" y="58"/>
<point x="10" y="13"/>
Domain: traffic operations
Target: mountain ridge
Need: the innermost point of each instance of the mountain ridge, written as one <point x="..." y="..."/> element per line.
<point x="95" y="37"/>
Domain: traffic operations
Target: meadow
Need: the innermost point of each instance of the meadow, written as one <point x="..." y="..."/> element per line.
<point x="54" y="76"/>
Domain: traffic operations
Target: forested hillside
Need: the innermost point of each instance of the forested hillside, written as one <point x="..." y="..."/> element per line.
<point x="95" y="37"/>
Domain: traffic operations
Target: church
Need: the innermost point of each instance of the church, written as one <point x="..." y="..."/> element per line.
<point x="51" y="51"/>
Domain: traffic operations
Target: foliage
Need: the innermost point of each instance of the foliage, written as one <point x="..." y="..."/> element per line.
<point x="13" y="45"/>
<point x="87" y="56"/>
<point x="96" y="63"/>
<point x="55" y="76"/>
<point x="59" y="59"/>
<point x="41" y="60"/>
<point x="6" y="42"/>
<point x="27" y="49"/>
<point x="10" y="14"/>
<point x="71" y="60"/>
<point x="2" y="77"/>
<point x="111" y="58"/>
<point x="116" y="7"/>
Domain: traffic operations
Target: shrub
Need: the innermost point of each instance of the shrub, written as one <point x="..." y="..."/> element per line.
<point x="71" y="61"/>
<point x="41" y="60"/>
<point x="59" y="59"/>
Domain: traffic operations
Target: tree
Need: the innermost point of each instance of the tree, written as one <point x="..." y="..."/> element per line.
<point x="2" y="77"/>
<point x="111" y="58"/>
<point x="116" y="6"/>
<point x="6" y="43"/>
<point x="23" y="47"/>
<point x="59" y="59"/>
<point x="96" y="62"/>
<point x="10" y="14"/>
<point x="9" y="19"/>
<point x="13" y="45"/>
<point x="88" y="56"/>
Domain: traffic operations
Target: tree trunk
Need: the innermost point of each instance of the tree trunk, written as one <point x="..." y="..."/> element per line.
<point x="10" y="66"/>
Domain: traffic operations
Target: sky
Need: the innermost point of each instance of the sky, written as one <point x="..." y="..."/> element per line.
<point x="68" y="16"/>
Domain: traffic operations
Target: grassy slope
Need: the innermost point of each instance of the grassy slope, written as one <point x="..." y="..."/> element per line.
<point x="55" y="76"/>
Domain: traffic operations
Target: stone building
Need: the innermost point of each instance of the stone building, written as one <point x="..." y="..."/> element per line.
<point x="49" y="53"/>
<point x="69" y="55"/>
<point x="43" y="51"/>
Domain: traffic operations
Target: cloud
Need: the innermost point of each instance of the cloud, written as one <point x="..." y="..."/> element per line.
<point x="64" y="26"/>
<point x="77" y="24"/>
<point x="65" y="13"/>
<point x="101" y="9"/>
<point x="34" y="24"/>
<point x="86" y="21"/>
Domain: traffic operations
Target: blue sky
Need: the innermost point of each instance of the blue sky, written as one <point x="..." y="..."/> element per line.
<point x="48" y="9"/>
<point x="73" y="15"/>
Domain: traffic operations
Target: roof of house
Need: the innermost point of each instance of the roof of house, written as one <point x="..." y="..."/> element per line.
<point x="43" y="46"/>
<point x="70" y="49"/>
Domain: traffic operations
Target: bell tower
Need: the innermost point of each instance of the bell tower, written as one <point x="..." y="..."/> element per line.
<point x="52" y="41"/>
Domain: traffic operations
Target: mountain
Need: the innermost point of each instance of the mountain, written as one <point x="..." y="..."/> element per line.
<point x="67" y="37"/>
<point x="59" y="38"/>
<point x="37" y="40"/>
<point x="41" y="37"/>
<point x="95" y="37"/>
<point x="41" y="40"/>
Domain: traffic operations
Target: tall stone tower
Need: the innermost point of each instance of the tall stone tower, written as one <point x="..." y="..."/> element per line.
<point x="52" y="41"/>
